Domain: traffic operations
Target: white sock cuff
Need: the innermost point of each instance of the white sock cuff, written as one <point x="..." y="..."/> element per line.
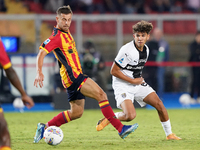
<point x="167" y="127"/>
<point x="117" y="114"/>
<point x="166" y="122"/>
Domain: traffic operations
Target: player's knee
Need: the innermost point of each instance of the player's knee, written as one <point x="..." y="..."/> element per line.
<point x="130" y="116"/>
<point x="79" y="115"/>
<point x="101" y="95"/>
<point x="76" y="113"/>
<point x="159" y="105"/>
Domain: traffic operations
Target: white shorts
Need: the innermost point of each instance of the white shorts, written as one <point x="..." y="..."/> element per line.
<point x="124" y="90"/>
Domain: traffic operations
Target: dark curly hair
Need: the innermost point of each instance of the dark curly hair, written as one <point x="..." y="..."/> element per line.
<point x="142" y="26"/>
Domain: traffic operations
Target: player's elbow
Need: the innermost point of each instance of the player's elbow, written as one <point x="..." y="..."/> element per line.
<point x="113" y="72"/>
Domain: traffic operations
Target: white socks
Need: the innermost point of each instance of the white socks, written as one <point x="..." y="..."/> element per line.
<point x="117" y="114"/>
<point x="167" y="127"/>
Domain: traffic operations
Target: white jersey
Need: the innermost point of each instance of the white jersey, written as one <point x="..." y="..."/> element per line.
<point x="131" y="60"/>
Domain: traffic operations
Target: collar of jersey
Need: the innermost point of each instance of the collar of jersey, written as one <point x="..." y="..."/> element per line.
<point x="144" y="48"/>
<point x="60" y="30"/>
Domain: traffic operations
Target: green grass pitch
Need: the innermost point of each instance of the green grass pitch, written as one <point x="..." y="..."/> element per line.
<point x="81" y="134"/>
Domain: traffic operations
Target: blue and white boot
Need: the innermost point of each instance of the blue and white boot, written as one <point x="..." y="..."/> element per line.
<point x="127" y="129"/>
<point x="39" y="132"/>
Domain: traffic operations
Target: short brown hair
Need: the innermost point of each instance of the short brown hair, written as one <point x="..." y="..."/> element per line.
<point x="142" y="26"/>
<point x="64" y="10"/>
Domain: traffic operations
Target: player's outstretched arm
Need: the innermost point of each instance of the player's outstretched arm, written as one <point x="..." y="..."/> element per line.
<point x="13" y="78"/>
<point x="39" y="63"/>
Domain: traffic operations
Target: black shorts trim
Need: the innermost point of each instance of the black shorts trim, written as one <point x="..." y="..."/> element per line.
<point x="73" y="91"/>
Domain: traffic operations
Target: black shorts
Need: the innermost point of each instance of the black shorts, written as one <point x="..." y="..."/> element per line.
<point x="74" y="90"/>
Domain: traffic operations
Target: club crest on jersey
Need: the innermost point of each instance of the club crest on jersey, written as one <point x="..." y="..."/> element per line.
<point x="121" y="60"/>
<point x="123" y="95"/>
<point x="47" y="41"/>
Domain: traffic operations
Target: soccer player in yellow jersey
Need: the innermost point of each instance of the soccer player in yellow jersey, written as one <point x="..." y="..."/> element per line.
<point x="77" y="84"/>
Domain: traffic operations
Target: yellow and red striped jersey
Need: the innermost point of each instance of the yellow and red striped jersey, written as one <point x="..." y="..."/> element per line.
<point x="4" y="59"/>
<point x="63" y="46"/>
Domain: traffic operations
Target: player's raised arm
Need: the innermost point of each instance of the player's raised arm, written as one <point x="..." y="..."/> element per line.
<point x="39" y="63"/>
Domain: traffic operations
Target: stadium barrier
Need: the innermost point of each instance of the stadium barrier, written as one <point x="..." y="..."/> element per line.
<point x="25" y="66"/>
<point x="166" y="64"/>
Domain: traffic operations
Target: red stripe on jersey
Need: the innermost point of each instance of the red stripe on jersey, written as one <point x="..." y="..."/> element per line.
<point x="64" y="35"/>
<point x="76" y="64"/>
<point x="74" y="61"/>
<point x="67" y="59"/>
<point x="69" y="35"/>
<point x="68" y="78"/>
<point x="63" y="83"/>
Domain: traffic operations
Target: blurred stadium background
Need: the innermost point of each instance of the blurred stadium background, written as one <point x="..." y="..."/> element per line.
<point x="25" y="24"/>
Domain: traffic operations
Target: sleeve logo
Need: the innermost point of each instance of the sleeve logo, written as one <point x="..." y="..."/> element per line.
<point x="121" y="60"/>
<point x="47" y="41"/>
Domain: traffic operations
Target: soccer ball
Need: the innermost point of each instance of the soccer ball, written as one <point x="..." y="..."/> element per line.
<point x="185" y="99"/>
<point x="53" y="135"/>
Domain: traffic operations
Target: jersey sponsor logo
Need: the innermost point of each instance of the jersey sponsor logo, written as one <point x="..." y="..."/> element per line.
<point x="120" y="61"/>
<point x="142" y="60"/>
<point x="123" y="95"/>
<point x="47" y="41"/>
<point x="70" y="42"/>
<point x="132" y="68"/>
<point x="139" y="67"/>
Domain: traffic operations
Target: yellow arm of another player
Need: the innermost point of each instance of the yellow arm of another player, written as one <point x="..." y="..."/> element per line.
<point x="39" y="63"/>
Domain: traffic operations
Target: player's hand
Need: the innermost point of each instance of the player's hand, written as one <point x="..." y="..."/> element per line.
<point x="138" y="81"/>
<point x="28" y="101"/>
<point x="39" y="80"/>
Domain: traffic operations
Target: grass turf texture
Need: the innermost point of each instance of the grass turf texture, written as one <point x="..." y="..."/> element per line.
<point x="81" y="134"/>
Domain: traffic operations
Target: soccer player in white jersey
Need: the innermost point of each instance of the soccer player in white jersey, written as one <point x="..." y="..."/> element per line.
<point x="129" y="85"/>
